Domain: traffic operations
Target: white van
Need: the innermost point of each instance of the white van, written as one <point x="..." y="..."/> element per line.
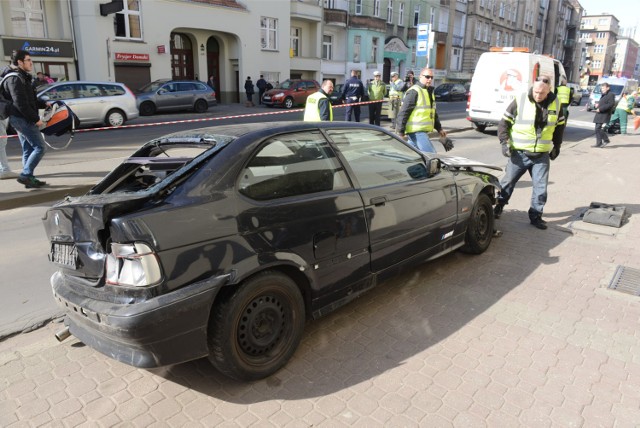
<point x="500" y="76"/>
<point x="618" y="85"/>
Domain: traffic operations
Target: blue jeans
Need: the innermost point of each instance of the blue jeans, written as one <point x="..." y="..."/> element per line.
<point x="538" y="168"/>
<point x="421" y="141"/>
<point x="32" y="143"/>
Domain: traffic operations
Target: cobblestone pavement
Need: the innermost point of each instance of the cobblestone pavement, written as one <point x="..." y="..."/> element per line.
<point x="526" y="334"/>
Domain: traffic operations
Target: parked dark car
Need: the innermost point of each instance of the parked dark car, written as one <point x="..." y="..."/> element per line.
<point x="336" y="95"/>
<point x="220" y="242"/>
<point x="290" y="93"/>
<point x="174" y="95"/>
<point x="450" y="92"/>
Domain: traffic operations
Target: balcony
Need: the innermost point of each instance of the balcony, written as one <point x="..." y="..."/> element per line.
<point x="440" y="37"/>
<point x="335" y="17"/>
<point x="306" y="11"/>
<point x="367" y="23"/>
<point x="587" y="40"/>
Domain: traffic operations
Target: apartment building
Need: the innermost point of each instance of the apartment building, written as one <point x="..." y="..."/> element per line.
<point x="599" y="33"/>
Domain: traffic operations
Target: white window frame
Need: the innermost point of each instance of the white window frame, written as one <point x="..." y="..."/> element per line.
<point x="401" y="13"/>
<point x="376" y="8"/>
<point x="358" y="8"/>
<point x="294" y="40"/>
<point x="128" y="15"/>
<point x="329" y="4"/>
<point x="29" y="12"/>
<point x="327" y="47"/>
<point x="357" y="46"/>
<point x="416" y="15"/>
<point x="268" y="27"/>
<point x="501" y="13"/>
<point x="374" y="49"/>
<point x="390" y="12"/>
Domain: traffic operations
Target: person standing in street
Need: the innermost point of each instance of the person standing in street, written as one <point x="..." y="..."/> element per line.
<point x="396" y="88"/>
<point x="352" y="92"/>
<point x="262" y="87"/>
<point x="604" y="108"/>
<point x="418" y="115"/>
<point x="318" y="106"/>
<point x="623" y="109"/>
<point x="249" y="90"/>
<point x="212" y="82"/>
<point x="24" y="115"/>
<point x="530" y="134"/>
<point x="565" y="95"/>
<point x="375" y="91"/>
<point x="409" y="80"/>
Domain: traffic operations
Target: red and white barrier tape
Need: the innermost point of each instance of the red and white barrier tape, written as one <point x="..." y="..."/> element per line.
<point x="173" y="122"/>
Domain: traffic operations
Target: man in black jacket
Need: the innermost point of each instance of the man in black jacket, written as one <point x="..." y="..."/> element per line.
<point x="604" y="108"/>
<point x="24" y="115"/>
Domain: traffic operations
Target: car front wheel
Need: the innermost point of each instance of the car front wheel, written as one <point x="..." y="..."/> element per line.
<point x="115" y="117"/>
<point x="200" y="106"/>
<point x="254" y="331"/>
<point x="479" y="226"/>
<point x="288" y="102"/>
<point x="147" y="108"/>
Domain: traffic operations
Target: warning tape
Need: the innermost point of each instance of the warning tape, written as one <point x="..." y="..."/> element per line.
<point x="237" y="116"/>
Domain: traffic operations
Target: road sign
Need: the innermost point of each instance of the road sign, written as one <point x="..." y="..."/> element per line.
<point x="422" y="40"/>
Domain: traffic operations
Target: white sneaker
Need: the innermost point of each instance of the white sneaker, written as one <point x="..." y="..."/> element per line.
<point x="5" y="175"/>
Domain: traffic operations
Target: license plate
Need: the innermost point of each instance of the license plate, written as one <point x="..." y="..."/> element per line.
<point x="64" y="254"/>
<point x="266" y="98"/>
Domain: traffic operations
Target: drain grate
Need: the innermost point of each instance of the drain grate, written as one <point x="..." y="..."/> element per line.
<point x="626" y="280"/>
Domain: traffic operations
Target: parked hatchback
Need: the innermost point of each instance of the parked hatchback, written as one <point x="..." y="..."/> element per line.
<point x="220" y="242"/>
<point x="173" y="95"/>
<point x="290" y="93"/>
<point x="95" y="103"/>
<point x="450" y="92"/>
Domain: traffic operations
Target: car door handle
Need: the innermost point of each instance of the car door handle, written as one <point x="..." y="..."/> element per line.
<point x="378" y="200"/>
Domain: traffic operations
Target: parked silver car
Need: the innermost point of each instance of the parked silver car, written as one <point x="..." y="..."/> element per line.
<point x="163" y="95"/>
<point x="95" y="103"/>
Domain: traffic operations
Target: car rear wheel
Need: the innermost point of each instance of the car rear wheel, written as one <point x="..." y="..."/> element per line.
<point x="479" y="226"/>
<point x="288" y="102"/>
<point x="200" y="106"/>
<point x="147" y="108"/>
<point x="115" y="117"/>
<point x="480" y="127"/>
<point x="254" y="331"/>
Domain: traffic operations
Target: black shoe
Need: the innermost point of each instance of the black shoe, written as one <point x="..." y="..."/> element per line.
<point x="30" y="182"/>
<point x="539" y="223"/>
<point x="604" y="144"/>
<point x="497" y="210"/>
<point x="597" y="145"/>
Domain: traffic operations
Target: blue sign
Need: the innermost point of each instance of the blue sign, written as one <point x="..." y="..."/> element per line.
<point x="422" y="40"/>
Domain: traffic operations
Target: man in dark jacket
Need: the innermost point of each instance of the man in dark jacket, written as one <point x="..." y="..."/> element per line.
<point x="352" y="92"/>
<point x="262" y="87"/>
<point x="24" y="115"/>
<point x="604" y="108"/>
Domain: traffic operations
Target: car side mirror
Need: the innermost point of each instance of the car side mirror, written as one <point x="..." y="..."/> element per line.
<point x="434" y="166"/>
<point x="45" y="98"/>
<point x="162" y="91"/>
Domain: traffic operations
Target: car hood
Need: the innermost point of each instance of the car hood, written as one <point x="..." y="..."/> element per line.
<point x="460" y="162"/>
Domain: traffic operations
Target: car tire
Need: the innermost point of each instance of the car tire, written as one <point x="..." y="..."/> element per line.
<point x="288" y="103"/>
<point x="479" y="226"/>
<point x="200" y="106"/>
<point x="256" y="329"/>
<point x="479" y="127"/>
<point x="147" y="108"/>
<point x="115" y="117"/>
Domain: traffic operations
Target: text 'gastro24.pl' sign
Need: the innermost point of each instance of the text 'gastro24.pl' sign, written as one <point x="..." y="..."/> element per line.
<point x="123" y="56"/>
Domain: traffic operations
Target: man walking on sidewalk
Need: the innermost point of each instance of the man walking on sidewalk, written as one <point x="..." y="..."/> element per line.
<point x="24" y="115"/>
<point x="530" y="134"/>
<point x="604" y="108"/>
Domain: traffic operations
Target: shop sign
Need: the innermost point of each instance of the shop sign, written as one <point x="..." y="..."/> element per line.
<point x="37" y="47"/>
<point x="124" y="56"/>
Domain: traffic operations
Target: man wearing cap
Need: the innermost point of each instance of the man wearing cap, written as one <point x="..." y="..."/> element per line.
<point x="376" y="92"/>
<point x="396" y="87"/>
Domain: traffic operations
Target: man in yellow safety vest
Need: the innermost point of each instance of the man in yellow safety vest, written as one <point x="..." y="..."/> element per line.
<point x="318" y="106"/>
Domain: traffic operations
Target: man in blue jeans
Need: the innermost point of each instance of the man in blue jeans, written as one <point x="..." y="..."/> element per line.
<point x="24" y="115"/>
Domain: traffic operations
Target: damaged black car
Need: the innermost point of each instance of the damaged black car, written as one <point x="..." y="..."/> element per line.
<point x="221" y="242"/>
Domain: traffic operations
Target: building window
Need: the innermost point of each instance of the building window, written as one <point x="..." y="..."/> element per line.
<point x="401" y="14"/>
<point x="390" y="12"/>
<point x="432" y="18"/>
<point x="603" y="21"/>
<point x="329" y="4"/>
<point x="374" y="49"/>
<point x="601" y="35"/>
<point x="327" y="47"/>
<point x="269" y="33"/>
<point x="27" y="18"/>
<point x="295" y="41"/>
<point x="416" y="16"/>
<point x="501" y="13"/>
<point x="597" y="64"/>
<point x="478" y="35"/>
<point x="127" y="22"/>
<point x="376" y="8"/>
<point x="598" y="49"/>
<point x="357" y="41"/>
<point x="358" y="7"/>
<point x="498" y="38"/>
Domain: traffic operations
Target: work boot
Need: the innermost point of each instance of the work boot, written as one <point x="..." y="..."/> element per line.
<point x="539" y="223"/>
<point x="497" y="210"/>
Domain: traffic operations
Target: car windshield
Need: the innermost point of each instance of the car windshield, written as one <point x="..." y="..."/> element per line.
<point x="443" y="88"/>
<point x="616" y="89"/>
<point x="153" y="86"/>
<point x="287" y="84"/>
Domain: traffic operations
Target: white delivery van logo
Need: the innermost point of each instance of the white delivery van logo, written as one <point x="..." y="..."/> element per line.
<point x="511" y="80"/>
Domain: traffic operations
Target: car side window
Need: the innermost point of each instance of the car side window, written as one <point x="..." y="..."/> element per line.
<point x="169" y="87"/>
<point x="201" y="87"/>
<point x="377" y="159"/>
<point x="292" y="165"/>
<point x="89" y="91"/>
<point x="61" y="92"/>
<point x="186" y="86"/>
<point x="112" y="90"/>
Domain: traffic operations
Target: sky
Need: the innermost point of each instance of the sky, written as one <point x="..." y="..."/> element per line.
<point x="627" y="13"/>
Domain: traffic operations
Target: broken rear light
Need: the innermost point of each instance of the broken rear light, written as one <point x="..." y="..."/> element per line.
<point x="132" y="265"/>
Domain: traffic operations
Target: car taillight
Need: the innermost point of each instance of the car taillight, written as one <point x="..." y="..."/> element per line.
<point x="133" y="265"/>
<point x="468" y="100"/>
<point x="213" y="94"/>
<point x="129" y="90"/>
